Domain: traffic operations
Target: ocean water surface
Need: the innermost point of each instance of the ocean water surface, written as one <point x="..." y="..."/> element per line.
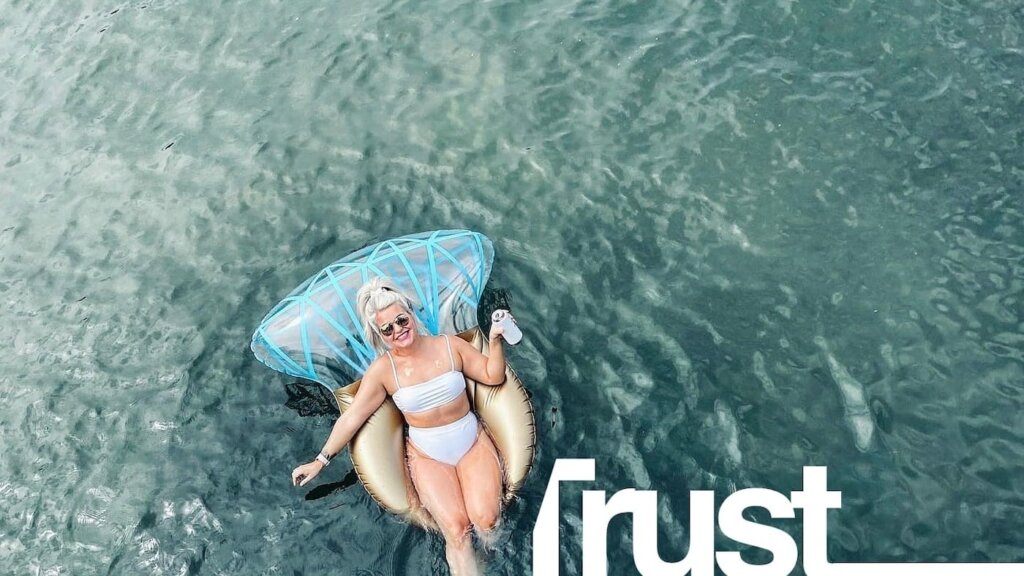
<point x="740" y="237"/>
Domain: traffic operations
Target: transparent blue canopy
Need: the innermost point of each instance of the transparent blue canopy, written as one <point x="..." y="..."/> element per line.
<point x="314" y="333"/>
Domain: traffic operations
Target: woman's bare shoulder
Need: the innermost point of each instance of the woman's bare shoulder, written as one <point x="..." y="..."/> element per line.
<point x="378" y="370"/>
<point x="459" y="344"/>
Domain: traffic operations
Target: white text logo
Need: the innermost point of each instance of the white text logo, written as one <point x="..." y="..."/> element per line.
<point x="815" y="500"/>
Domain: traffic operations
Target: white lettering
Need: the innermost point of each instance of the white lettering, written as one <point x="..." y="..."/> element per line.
<point x="735" y="526"/>
<point x="815" y="500"/>
<point x="643" y="505"/>
<point x="545" y="531"/>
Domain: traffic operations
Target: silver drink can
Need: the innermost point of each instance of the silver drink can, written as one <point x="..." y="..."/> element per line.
<point x="512" y="334"/>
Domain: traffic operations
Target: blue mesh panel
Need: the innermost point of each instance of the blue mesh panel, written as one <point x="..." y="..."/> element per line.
<point x="314" y="333"/>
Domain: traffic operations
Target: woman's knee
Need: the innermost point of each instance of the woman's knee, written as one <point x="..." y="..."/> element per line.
<point x="484" y="518"/>
<point x="456" y="530"/>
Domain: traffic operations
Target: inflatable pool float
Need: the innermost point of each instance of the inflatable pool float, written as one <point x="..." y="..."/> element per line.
<point x="314" y="333"/>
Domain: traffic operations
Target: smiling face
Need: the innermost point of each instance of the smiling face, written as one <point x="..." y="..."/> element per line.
<point x="390" y="320"/>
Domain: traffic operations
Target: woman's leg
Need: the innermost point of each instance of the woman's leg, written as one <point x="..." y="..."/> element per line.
<point x="437" y="485"/>
<point x="480" y="476"/>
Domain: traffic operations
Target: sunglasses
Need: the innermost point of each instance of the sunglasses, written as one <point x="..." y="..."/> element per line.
<point x="388" y="329"/>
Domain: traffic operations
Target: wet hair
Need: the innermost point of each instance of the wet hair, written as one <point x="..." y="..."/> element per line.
<point x="377" y="294"/>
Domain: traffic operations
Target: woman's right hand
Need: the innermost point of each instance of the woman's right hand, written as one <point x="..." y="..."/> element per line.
<point x="303" y="474"/>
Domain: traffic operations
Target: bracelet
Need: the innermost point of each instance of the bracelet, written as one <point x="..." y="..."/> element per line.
<point x="323" y="459"/>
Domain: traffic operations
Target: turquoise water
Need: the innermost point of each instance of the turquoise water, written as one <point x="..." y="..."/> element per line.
<point x="740" y="237"/>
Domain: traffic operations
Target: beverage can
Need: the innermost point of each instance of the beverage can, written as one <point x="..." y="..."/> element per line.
<point x="512" y="334"/>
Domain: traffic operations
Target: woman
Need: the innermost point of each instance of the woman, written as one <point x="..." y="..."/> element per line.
<point x="452" y="461"/>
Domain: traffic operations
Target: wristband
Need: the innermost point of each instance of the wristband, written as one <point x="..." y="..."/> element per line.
<point x="323" y="459"/>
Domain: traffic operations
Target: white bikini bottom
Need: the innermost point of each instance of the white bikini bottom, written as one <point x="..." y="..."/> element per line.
<point x="448" y="443"/>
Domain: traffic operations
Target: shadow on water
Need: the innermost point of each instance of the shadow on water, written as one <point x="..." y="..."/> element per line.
<point x="325" y="490"/>
<point x="491" y="300"/>
<point x="309" y="398"/>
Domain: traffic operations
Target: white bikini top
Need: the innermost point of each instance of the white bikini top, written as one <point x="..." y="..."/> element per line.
<point x="437" y="391"/>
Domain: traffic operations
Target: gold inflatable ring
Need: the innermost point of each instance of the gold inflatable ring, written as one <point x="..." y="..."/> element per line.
<point x="378" y="449"/>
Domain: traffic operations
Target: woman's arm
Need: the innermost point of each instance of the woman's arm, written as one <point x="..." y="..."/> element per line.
<point x="369" y="397"/>
<point x="488" y="370"/>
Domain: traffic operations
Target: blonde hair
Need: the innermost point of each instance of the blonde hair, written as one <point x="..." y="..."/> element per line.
<point x="376" y="295"/>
